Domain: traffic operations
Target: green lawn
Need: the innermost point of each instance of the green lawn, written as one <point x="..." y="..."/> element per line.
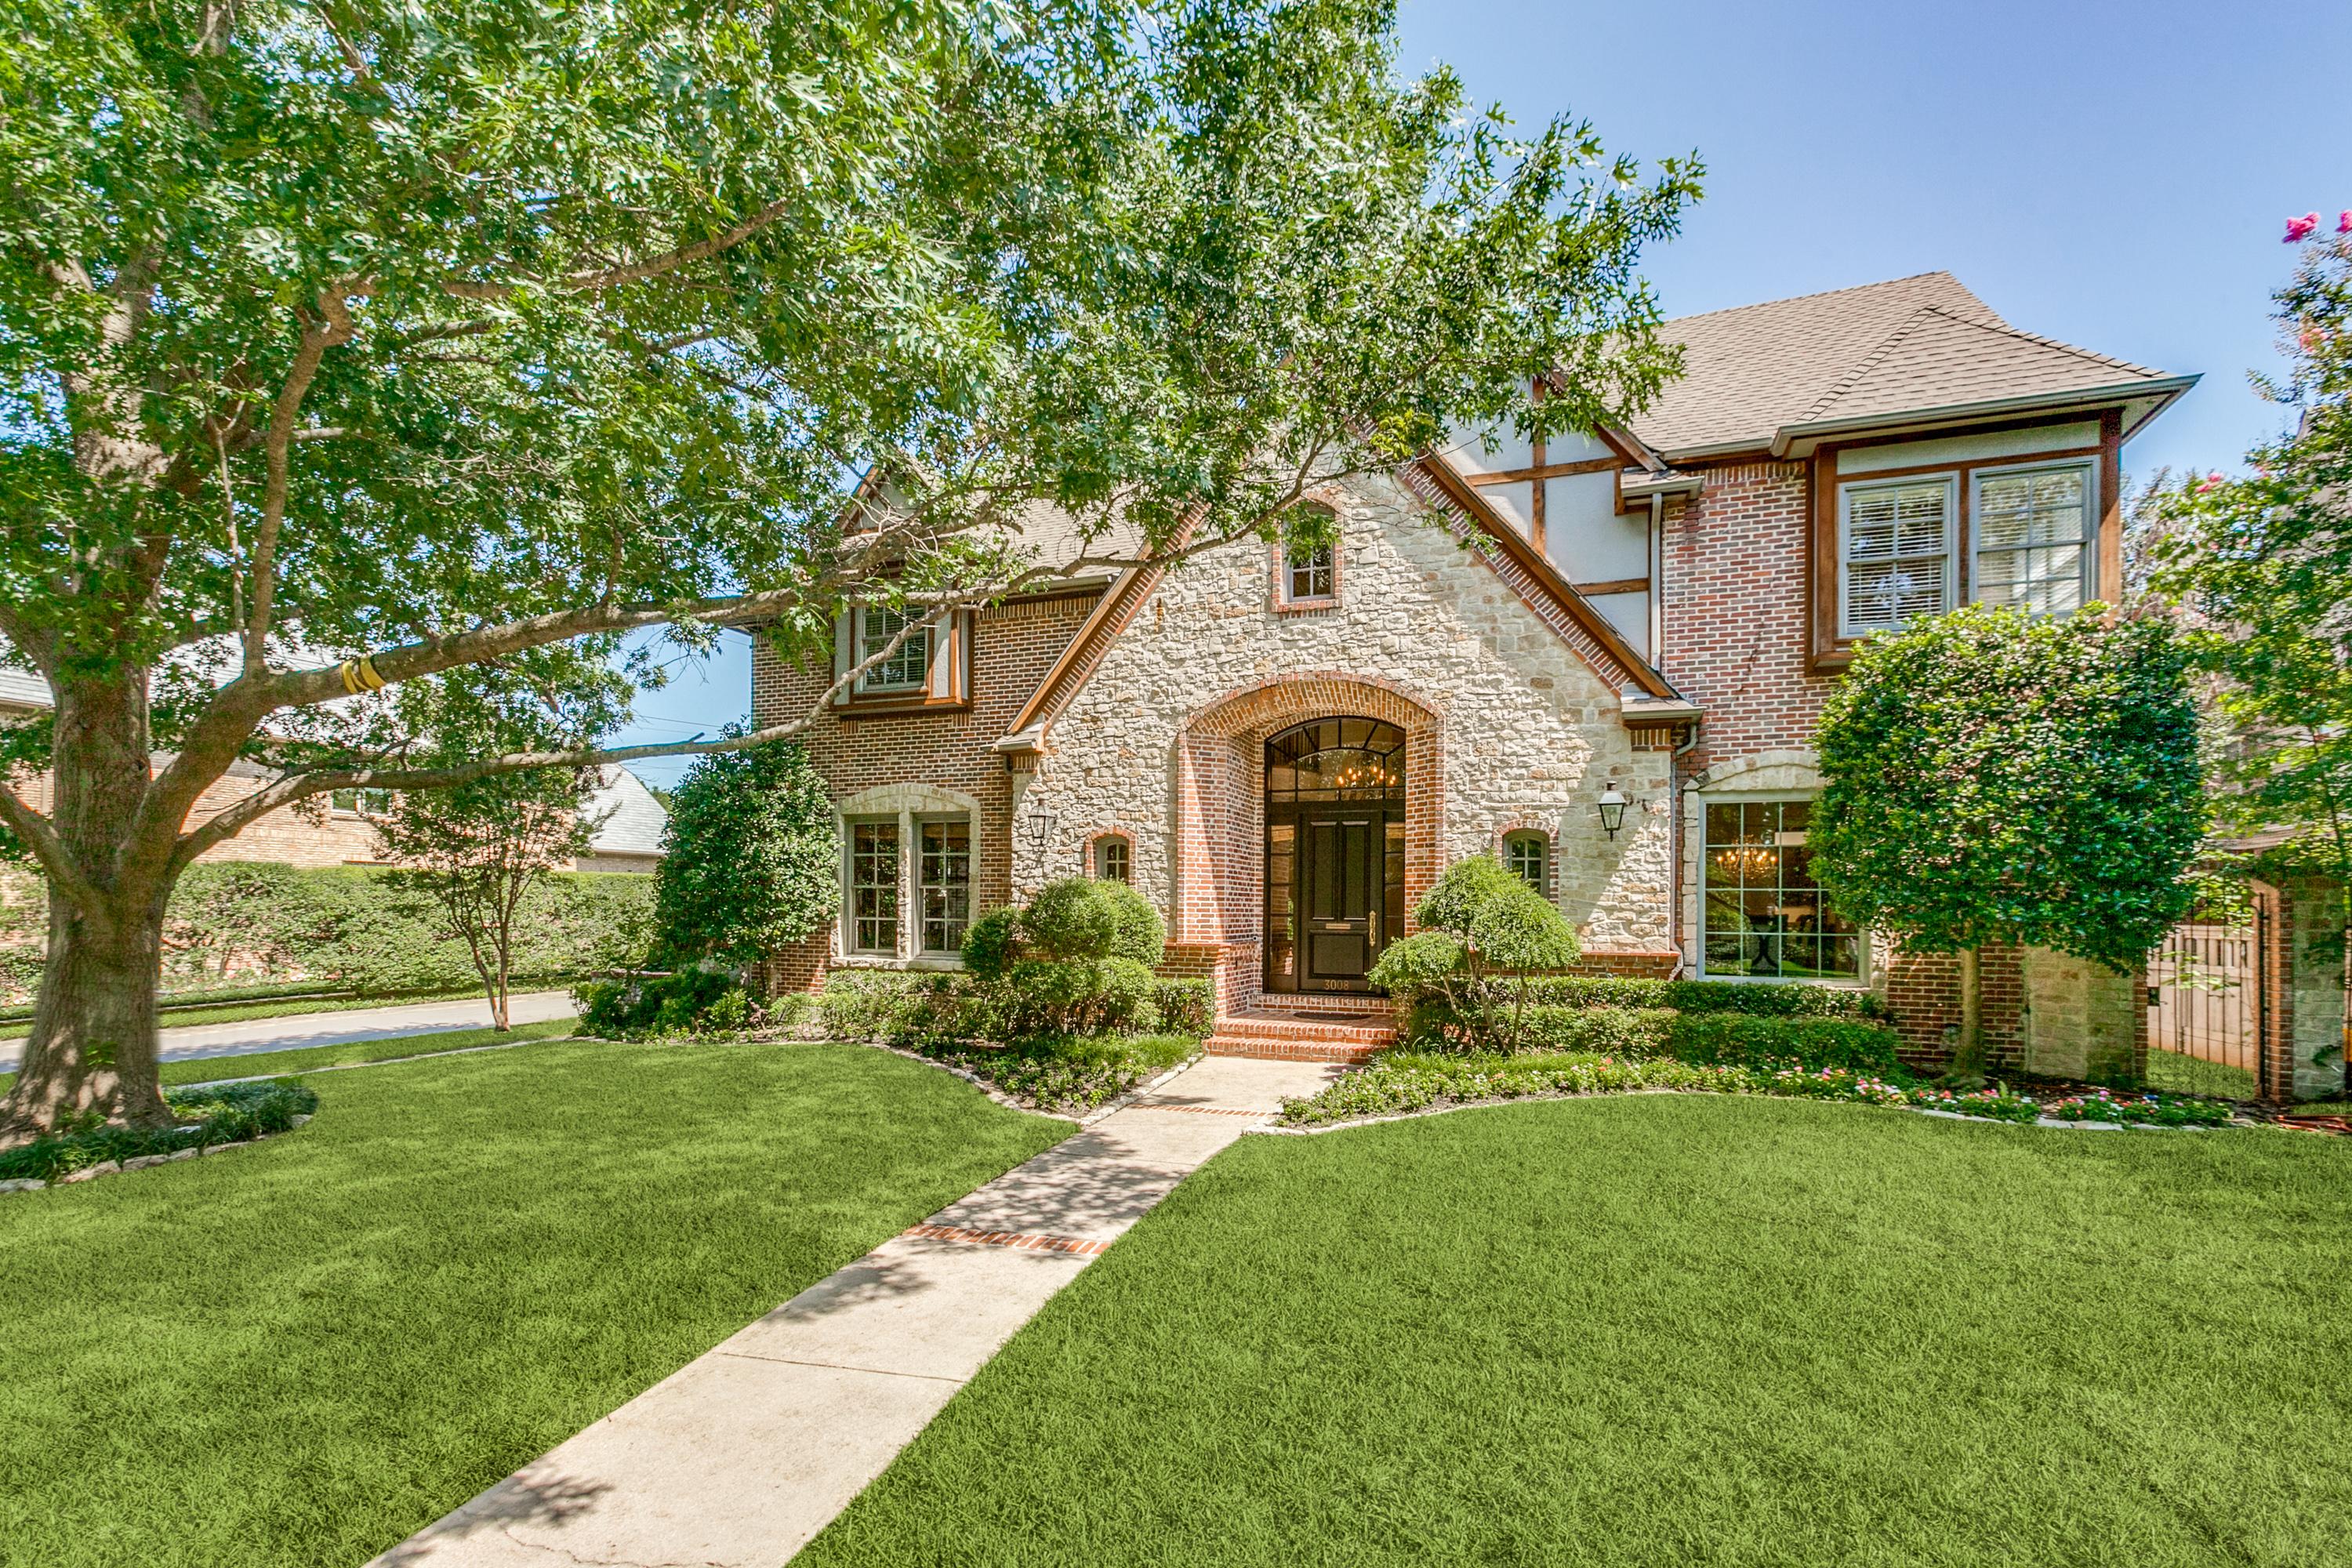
<point x="350" y="1053"/>
<point x="1674" y="1329"/>
<point x="301" y="1352"/>
<point x="2181" y="1073"/>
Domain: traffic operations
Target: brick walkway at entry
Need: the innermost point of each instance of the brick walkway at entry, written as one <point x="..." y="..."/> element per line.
<point x="739" y="1457"/>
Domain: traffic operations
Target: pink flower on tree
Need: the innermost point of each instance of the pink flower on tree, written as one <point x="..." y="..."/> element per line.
<point x="2344" y="221"/>
<point x="2301" y="227"/>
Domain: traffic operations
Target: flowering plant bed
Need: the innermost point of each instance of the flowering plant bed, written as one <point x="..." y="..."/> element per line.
<point x="1402" y="1083"/>
<point x="1067" y="1075"/>
<point x="2141" y="1110"/>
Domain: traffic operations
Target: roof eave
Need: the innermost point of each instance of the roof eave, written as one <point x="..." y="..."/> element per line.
<point x="2159" y="393"/>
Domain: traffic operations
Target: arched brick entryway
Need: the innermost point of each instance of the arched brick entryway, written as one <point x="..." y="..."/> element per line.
<point x="1219" y="906"/>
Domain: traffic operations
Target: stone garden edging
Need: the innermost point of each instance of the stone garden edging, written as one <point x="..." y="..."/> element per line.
<point x="139" y="1163"/>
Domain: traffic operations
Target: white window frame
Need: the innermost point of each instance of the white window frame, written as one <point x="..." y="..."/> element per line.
<point x="1541" y="843"/>
<point x="1101" y="853"/>
<point x="1861" y="979"/>
<point x="2088" y="569"/>
<point x="919" y="639"/>
<point x="1847" y="491"/>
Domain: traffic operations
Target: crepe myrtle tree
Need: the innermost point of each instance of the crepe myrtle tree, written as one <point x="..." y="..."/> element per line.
<point x="2259" y="570"/>
<point x="350" y="347"/>
<point x="1992" y="776"/>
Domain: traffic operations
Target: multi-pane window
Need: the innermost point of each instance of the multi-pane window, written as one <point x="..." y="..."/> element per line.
<point x="2033" y="532"/>
<point x="873" y="887"/>
<point x="908" y="664"/>
<point x="1896" y="549"/>
<point x="1111" y="859"/>
<point x="945" y="882"/>
<point x="1312" y="568"/>
<point x="1523" y="853"/>
<point x="1766" y="917"/>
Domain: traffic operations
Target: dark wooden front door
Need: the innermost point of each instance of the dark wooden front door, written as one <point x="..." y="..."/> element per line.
<point x="1340" y="888"/>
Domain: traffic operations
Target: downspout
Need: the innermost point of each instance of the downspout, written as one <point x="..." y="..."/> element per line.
<point x="1675" y="835"/>
<point x="1658" y="582"/>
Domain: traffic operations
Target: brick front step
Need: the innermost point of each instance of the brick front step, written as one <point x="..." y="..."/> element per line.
<point x="1335" y="1052"/>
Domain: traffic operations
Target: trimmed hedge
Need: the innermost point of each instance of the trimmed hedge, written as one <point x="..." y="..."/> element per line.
<point x="1727" y="1038"/>
<point x="692" y="1000"/>
<point x="256" y="923"/>
<point x="209" y="1113"/>
<point x="1757" y="998"/>
<point x="919" y="1009"/>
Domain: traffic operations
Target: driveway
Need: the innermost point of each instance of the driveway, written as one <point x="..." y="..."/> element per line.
<point x="338" y="1028"/>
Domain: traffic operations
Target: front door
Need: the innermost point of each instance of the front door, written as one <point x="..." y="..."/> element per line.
<point x="1340" y="888"/>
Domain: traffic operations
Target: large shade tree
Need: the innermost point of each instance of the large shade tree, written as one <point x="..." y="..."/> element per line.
<point x="356" y="349"/>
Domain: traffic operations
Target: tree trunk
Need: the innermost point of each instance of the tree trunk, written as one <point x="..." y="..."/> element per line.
<point x="1968" y="1061"/>
<point x="92" y="1047"/>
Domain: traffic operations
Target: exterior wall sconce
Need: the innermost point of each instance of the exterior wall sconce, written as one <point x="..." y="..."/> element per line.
<point x="1611" y="806"/>
<point x="1038" y="823"/>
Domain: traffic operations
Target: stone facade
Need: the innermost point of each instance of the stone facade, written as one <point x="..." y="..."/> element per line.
<point x="1506" y="727"/>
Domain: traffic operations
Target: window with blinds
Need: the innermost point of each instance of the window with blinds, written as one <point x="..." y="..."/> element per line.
<point x="909" y="665"/>
<point x="1896" y="553"/>
<point x="2033" y="529"/>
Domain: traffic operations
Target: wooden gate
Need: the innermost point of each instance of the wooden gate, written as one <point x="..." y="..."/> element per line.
<point x="2207" y="1007"/>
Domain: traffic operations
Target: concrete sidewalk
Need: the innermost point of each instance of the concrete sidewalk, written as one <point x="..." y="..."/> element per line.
<point x="285" y="1034"/>
<point x="741" y="1456"/>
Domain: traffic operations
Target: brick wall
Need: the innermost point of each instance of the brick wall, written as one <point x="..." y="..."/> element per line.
<point x="1737" y="625"/>
<point x="1013" y="646"/>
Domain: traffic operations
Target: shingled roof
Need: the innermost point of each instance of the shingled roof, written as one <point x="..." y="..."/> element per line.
<point x="1851" y="355"/>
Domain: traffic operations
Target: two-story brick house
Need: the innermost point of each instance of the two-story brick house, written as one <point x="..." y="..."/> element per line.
<point x="1601" y="659"/>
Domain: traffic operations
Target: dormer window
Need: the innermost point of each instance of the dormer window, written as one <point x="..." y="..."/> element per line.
<point x="1306" y="561"/>
<point x="908" y="665"/>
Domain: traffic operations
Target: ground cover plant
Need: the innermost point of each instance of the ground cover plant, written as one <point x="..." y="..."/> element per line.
<point x="203" y="1117"/>
<point x="299" y="1354"/>
<point x="1672" y="1329"/>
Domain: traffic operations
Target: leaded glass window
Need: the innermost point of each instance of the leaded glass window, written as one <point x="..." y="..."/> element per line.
<point x="1766" y="916"/>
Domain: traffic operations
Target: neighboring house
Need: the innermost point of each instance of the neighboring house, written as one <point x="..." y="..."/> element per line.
<point x="628" y="835"/>
<point x="1601" y="659"/>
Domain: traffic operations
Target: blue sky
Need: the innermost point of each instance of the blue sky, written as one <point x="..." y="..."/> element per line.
<point x="2116" y="176"/>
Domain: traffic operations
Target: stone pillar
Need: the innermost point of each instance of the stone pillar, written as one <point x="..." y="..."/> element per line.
<point x="2082" y="1020"/>
<point x="2305" y="990"/>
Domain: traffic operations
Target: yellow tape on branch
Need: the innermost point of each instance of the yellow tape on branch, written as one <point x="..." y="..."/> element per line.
<point x="359" y="675"/>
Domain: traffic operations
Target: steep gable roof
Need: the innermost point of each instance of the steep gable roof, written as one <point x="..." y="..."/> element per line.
<point x="630" y="820"/>
<point x="1911" y="344"/>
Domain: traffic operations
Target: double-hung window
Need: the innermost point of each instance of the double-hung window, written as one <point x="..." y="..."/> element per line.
<point x="1896" y="550"/>
<point x="908" y="665"/>
<point x="2032" y="534"/>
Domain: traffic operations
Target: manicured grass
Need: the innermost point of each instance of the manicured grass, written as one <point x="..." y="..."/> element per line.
<point x="2180" y="1073"/>
<point x="350" y="1053"/>
<point x="1674" y="1329"/>
<point x="238" y="1012"/>
<point x="298" y="1352"/>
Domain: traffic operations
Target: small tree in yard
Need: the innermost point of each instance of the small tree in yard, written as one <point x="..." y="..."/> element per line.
<point x="478" y="848"/>
<point x="1996" y="778"/>
<point x="750" y="861"/>
<point x="2260" y="567"/>
<point x="1485" y="936"/>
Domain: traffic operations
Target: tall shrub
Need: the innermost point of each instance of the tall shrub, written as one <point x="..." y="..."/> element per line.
<point x="751" y="860"/>
<point x="1996" y="777"/>
<point x="1485" y="938"/>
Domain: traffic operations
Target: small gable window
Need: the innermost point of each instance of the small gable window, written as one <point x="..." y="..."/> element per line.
<point x="1306" y="561"/>
<point x="1526" y="856"/>
<point x="1112" y="858"/>
<point x="908" y="665"/>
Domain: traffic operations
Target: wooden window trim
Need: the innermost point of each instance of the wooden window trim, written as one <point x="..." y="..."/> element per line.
<point x="950" y="667"/>
<point x="1829" y="652"/>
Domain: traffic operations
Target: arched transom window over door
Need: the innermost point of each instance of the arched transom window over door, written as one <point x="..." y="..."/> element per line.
<point x="1334" y="851"/>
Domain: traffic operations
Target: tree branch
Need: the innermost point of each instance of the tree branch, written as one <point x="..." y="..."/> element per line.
<point x="65" y="874"/>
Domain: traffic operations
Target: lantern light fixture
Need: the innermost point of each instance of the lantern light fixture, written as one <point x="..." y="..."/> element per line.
<point x="1611" y="806"/>
<point x="1038" y="823"/>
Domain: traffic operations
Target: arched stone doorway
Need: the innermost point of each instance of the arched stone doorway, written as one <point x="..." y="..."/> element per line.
<point x="1221" y="903"/>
